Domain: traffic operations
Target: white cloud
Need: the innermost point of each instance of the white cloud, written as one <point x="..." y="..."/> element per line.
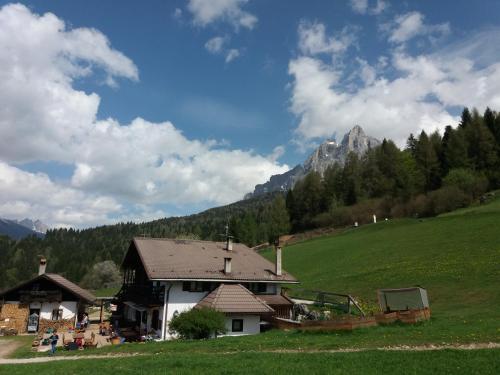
<point x="379" y="7"/>
<point x="39" y="60"/>
<point x="313" y="39"/>
<point x="208" y="11"/>
<point x="24" y="194"/>
<point x="362" y="7"/>
<point x="216" y="44"/>
<point x="117" y="166"/>
<point x="359" y="6"/>
<point x="409" y="25"/>
<point x="277" y="153"/>
<point x="177" y="14"/>
<point x="232" y="54"/>
<point x="421" y="94"/>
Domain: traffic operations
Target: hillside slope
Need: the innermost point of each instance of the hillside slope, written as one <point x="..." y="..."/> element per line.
<point x="454" y="256"/>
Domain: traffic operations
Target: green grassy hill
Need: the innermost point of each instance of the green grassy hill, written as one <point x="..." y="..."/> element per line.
<point x="455" y="256"/>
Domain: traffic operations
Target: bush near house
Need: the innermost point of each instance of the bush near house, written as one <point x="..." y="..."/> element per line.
<point x="198" y="324"/>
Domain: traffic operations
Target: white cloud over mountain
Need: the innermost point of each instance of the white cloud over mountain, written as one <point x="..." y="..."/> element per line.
<point x="43" y="117"/>
<point x="407" y="93"/>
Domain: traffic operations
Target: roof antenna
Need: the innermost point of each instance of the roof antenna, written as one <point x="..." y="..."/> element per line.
<point x="228" y="237"/>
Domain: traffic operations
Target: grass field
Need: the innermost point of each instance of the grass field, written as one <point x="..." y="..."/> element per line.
<point x="372" y="362"/>
<point x="455" y="256"/>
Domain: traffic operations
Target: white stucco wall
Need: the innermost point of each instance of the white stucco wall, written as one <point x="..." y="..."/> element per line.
<point x="69" y="309"/>
<point x="251" y="325"/>
<point x="180" y="301"/>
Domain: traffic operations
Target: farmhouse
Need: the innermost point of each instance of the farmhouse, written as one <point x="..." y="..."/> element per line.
<point x="164" y="277"/>
<point x="48" y="300"/>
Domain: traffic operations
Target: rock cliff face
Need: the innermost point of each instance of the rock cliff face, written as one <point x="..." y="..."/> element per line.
<point x="328" y="153"/>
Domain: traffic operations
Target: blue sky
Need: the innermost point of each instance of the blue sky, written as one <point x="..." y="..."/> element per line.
<point x="140" y="111"/>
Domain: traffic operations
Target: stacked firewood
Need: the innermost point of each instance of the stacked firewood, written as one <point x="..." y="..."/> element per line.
<point x="59" y="325"/>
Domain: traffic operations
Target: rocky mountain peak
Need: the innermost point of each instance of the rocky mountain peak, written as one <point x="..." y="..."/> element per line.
<point x="34" y="225"/>
<point x="328" y="153"/>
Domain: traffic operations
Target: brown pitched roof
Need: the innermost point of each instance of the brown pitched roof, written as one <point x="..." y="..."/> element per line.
<point x="167" y="259"/>
<point x="71" y="287"/>
<point x="60" y="281"/>
<point x="234" y="299"/>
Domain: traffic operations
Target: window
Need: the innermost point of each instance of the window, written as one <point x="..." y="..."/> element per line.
<point x="57" y="314"/>
<point x="237" y="325"/>
<point x="198" y="286"/>
<point x="257" y="288"/>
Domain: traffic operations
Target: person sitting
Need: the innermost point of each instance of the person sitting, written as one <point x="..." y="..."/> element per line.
<point x="85" y="320"/>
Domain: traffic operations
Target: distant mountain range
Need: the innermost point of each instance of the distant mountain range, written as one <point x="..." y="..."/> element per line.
<point x="328" y="153"/>
<point x="18" y="229"/>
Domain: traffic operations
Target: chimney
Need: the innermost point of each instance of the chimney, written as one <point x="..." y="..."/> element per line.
<point x="278" y="260"/>
<point x="42" y="266"/>
<point x="227" y="266"/>
<point x="229" y="243"/>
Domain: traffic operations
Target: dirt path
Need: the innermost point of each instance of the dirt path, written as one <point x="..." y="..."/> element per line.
<point x="8" y="346"/>
<point x="430" y="347"/>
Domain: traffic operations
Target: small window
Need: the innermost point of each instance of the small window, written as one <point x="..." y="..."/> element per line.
<point x="193" y="286"/>
<point x="237" y="325"/>
<point x="57" y="314"/>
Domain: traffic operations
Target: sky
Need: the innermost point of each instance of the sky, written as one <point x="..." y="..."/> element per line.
<point x="143" y="110"/>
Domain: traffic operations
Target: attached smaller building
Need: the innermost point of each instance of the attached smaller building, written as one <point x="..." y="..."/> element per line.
<point x="242" y="308"/>
<point x="48" y="300"/>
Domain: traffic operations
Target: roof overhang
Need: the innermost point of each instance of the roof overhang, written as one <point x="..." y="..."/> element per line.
<point x="231" y="280"/>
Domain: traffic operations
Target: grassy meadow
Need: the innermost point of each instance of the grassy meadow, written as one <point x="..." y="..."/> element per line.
<point x="372" y="362"/>
<point x="455" y="256"/>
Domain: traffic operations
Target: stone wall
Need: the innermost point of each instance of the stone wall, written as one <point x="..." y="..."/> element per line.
<point x="14" y="315"/>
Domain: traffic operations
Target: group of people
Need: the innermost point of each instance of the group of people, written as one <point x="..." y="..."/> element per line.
<point x="54" y="337"/>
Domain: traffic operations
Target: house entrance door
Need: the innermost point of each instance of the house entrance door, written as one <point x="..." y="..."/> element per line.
<point x="33" y="320"/>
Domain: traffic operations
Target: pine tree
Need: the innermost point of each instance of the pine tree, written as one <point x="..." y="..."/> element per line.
<point x="427" y="161"/>
<point x="411" y="144"/>
<point x="351" y="179"/>
<point x="454" y="150"/>
<point x="466" y="118"/>
<point x="332" y="186"/>
<point x="278" y="220"/>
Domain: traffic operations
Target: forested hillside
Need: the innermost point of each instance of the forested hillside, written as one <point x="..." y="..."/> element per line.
<point x="73" y="252"/>
<point x="433" y="174"/>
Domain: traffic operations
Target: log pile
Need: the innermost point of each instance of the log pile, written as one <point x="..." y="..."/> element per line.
<point x="14" y="316"/>
<point x="63" y="324"/>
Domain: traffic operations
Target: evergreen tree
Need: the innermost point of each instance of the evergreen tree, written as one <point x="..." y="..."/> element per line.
<point x="466" y="118"/>
<point x="482" y="150"/>
<point x="279" y="220"/>
<point x="427" y="161"/>
<point x="454" y="150"/>
<point x="411" y="144"/>
<point x="351" y="180"/>
<point x="332" y="186"/>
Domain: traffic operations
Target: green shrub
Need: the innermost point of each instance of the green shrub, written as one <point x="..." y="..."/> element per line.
<point x="198" y="324"/>
<point x="467" y="181"/>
